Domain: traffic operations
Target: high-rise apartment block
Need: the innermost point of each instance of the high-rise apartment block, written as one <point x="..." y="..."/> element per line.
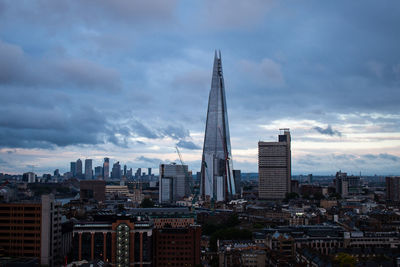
<point x="32" y="230"/>
<point x="274" y="167"/>
<point x="393" y="188"/>
<point x="88" y="169"/>
<point x="217" y="181"/>
<point x="173" y="183"/>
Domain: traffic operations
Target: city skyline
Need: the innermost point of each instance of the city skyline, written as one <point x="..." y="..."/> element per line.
<point x="136" y="84"/>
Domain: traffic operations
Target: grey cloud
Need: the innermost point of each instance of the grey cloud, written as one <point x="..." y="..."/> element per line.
<point x="267" y="73"/>
<point x="327" y="131"/>
<point x="235" y="13"/>
<point x="142" y="130"/>
<point x="11" y="62"/>
<point x="18" y="68"/>
<point x="154" y="161"/>
<point x="85" y="73"/>
<point x="187" y="145"/>
<point x="175" y="132"/>
<point x="382" y="156"/>
<point x="92" y="13"/>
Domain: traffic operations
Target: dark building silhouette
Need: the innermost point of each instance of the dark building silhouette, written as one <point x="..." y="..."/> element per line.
<point x="88" y="169"/>
<point x="93" y="189"/>
<point x="79" y="173"/>
<point x="116" y="171"/>
<point x="73" y="169"/>
<point x="393" y="188"/>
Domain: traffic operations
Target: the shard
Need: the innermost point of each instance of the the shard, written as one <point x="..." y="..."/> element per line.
<point x="217" y="181"/>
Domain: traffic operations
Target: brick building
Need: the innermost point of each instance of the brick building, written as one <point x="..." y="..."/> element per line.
<point x="122" y="240"/>
<point x="177" y="246"/>
<point x="32" y="230"/>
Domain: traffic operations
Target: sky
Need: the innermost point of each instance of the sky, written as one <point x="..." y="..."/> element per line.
<point x="129" y="80"/>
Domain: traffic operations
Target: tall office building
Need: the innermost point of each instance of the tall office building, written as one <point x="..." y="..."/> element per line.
<point x="393" y="188"/>
<point x="79" y="168"/>
<point x="98" y="172"/>
<point x="116" y="171"/>
<point x="217" y="181"/>
<point x="88" y="169"/>
<point x="173" y="183"/>
<point x="274" y="167"/>
<point x="106" y="169"/>
<point x="73" y="169"/>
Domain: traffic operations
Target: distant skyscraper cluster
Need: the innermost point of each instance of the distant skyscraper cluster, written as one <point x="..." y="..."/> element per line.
<point x="102" y="172"/>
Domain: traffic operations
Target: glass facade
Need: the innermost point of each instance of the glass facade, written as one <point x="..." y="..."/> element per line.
<point x="217" y="157"/>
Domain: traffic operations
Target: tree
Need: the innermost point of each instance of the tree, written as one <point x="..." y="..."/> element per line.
<point x="345" y="260"/>
<point x="147" y="203"/>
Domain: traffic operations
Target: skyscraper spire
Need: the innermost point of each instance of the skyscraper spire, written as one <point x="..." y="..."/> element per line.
<point x="217" y="180"/>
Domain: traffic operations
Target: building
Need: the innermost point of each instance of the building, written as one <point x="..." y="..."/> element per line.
<point x="347" y="185"/>
<point x="88" y="169"/>
<point x="177" y="246"/>
<point x="79" y="168"/>
<point x="32" y="230"/>
<point x="173" y="182"/>
<point x="238" y="178"/>
<point x="116" y="171"/>
<point x="122" y="191"/>
<point x="92" y="190"/>
<point x="274" y="167"/>
<point x="106" y="169"/>
<point x="98" y="172"/>
<point x="29" y="177"/>
<point x="393" y="188"/>
<point x="73" y="168"/>
<point x="217" y="181"/>
<point x="122" y="240"/>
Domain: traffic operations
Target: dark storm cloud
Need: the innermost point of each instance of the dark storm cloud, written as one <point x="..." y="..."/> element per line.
<point x="327" y="131"/>
<point x="187" y="145"/>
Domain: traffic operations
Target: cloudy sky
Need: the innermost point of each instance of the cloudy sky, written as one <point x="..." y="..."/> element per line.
<point x="129" y="79"/>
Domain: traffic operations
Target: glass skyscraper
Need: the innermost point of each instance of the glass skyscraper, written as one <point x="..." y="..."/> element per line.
<point x="217" y="182"/>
